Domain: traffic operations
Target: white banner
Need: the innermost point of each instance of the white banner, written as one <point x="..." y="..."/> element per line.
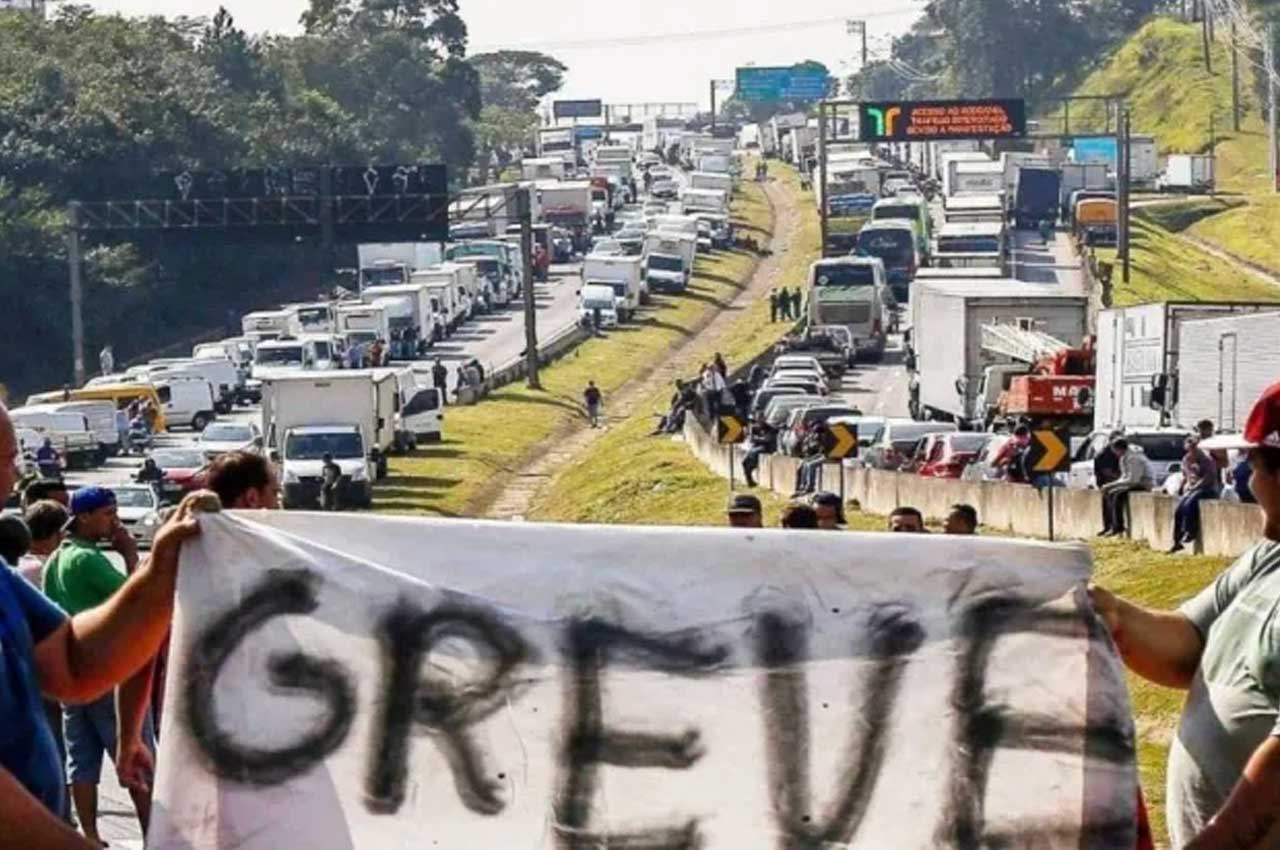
<point x="376" y="684"/>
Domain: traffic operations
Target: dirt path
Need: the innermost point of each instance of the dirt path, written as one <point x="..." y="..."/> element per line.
<point x="1249" y="267"/>
<point x="514" y="500"/>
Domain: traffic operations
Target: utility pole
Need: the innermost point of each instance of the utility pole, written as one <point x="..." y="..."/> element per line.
<point x="1270" y="53"/>
<point x="1204" y="32"/>
<point x="524" y="212"/>
<point x="821" y="188"/>
<point x="1213" y="152"/>
<point x="1125" y="164"/>
<point x="77" y="294"/>
<point x="1235" y="81"/>
<point x="713" y="107"/>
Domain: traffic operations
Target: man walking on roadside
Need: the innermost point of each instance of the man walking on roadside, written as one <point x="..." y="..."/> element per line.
<point x="79" y="577"/>
<point x="773" y="306"/>
<point x="784" y="303"/>
<point x="1223" y="648"/>
<point x="440" y="379"/>
<point x="1135" y="475"/>
<point x="592" y="398"/>
<point x="797" y="301"/>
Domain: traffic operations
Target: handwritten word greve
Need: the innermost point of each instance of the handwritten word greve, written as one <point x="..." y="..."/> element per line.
<point x="448" y="710"/>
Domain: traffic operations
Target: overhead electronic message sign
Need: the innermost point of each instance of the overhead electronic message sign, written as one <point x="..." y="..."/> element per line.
<point x="578" y="108"/>
<point x="930" y="120"/>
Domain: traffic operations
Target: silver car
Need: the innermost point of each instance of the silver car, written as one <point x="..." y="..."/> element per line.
<point x="138" y="506"/>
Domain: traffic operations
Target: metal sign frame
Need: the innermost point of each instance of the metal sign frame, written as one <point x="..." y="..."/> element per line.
<point x="794" y="82"/>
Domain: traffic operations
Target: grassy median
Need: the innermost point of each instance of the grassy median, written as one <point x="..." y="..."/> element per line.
<point x="485" y="442"/>
<point x="630" y="477"/>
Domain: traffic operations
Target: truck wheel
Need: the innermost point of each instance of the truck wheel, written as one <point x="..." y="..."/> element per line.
<point x="200" y="421"/>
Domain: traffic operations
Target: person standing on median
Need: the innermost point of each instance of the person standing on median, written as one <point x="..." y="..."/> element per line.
<point x="592" y="398"/>
<point x="79" y="577"/>
<point x="1223" y="648"/>
<point x="773" y="306"/>
<point x="1200" y="480"/>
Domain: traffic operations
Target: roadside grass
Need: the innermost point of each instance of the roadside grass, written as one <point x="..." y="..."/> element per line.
<point x="630" y="477"/>
<point x="1179" y="216"/>
<point x="1166" y="268"/>
<point x="486" y="441"/>
<point x="1251" y="232"/>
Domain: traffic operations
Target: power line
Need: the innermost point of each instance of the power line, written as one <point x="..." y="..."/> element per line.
<point x="698" y="35"/>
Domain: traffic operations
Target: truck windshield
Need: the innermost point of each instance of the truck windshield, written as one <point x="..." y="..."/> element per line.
<point x="665" y="264"/>
<point x="895" y="247"/>
<point x="291" y="356"/>
<point x="383" y="276"/>
<point x="598" y="303"/>
<point x="313" y="316"/>
<point x="344" y="446"/>
<point x="846" y="275"/>
<point x="968" y="245"/>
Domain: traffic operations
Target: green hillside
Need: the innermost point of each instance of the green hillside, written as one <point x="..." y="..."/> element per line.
<point x="1172" y="96"/>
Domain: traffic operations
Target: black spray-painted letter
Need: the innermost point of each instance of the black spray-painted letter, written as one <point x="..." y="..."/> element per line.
<point x="279" y="594"/>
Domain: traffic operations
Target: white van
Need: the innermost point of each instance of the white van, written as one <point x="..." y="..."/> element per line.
<point x="100" y="416"/>
<point x="69" y="432"/>
<point x="421" y="407"/>
<point x="188" y="402"/>
<point x="227" y="381"/>
<point x="237" y="349"/>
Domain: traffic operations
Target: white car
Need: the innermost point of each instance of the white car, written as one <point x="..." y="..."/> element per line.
<point x="138" y="507"/>
<point x="222" y="437"/>
<point x="1162" y="448"/>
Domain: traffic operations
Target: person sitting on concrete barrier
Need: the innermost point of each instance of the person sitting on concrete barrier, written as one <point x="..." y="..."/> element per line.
<point x="1221" y="647"/>
<point x="829" y="510"/>
<point x="799" y="515"/>
<point x="762" y="440"/>
<point x="1010" y="460"/>
<point x="1135" y="476"/>
<point x="744" y="511"/>
<point x="814" y="452"/>
<point x="962" y="519"/>
<point x="1200" y="480"/>
<point x="907" y="520"/>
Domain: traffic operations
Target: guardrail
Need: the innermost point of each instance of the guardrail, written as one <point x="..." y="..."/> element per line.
<point x="1227" y="528"/>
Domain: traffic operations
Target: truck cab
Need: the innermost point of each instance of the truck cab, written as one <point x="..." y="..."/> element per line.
<point x="287" y="353"/>
<point x="598" y="299"/>
<point x="301" y="458"/>
<point x="314" y="318"/>
<point x="266" y="324"/>
<point x="669" y="260"/>
<point x="893" y="240"/>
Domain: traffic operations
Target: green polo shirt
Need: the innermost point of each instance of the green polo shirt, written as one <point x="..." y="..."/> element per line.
<point x="79" y="577"/>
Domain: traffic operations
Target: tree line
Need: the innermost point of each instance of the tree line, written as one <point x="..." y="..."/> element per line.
<point x="94" y="106"/>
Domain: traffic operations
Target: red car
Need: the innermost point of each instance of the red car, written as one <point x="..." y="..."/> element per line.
<point x="946" y="455"/>
<point x="184" y="470"/>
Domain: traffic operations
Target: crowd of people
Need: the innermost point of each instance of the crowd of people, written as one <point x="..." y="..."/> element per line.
<point x="785" y="304"/>
<point x="82" y="645"/>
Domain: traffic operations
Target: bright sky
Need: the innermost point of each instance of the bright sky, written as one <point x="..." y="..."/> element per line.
<point x="645" y="70"/>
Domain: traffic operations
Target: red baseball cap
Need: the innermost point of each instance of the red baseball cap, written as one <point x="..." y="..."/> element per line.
<point x="1262" y="429"/>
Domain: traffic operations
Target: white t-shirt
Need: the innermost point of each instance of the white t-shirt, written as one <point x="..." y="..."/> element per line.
<point x="31" y="567"/>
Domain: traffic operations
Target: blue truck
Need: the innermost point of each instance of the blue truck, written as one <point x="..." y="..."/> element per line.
<point x="1035" y="197"/>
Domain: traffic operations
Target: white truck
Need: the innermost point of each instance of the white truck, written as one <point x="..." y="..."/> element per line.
<point x="977" y="178"/>
<point x="458" y="282"/>
<point x="625" y="275"/>
<point x="361" y="324"/>
<point x="668" y="258"/>
<point x="949" y="161"/>
<point x="567" y="204"/>
<point x="408" y="306"/>
<point x="704" y="200"/>
<point x="237" y="349"/>
<point x="1191" y="172"/>
<point x="225" y="378"/>
<point x="349" y="415"/>
<point x="287" y="354"/>
<point x="542" y="168"/>
<point x="265" y="324"/>
<point x="714" y="163"/>
<point x="711" y="180"/>
<point x="315" y="317"/>
<point x="498" y="262"/>
<point x="393" y="263"/>
<point x="598" y="306"/>
<point x="1080" y="175"/>
<point x="1229" y="361"/>
<point x="1140" y="374"/>
<point x="491" y="208"/>
<point x="558" y="142"/>
<point x="950" y="367"/>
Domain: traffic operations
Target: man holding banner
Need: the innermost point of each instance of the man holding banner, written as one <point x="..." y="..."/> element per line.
<point x="1223" y="648"/>
<point x="73" y="660"/>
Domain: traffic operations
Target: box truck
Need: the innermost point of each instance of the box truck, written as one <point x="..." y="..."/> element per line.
<point x="409" y="307"/>
<point x="1187" y="172"/>
<point x="1140" y="375"/>
<point x="668" y="258"/>
<point x="949" y="364"/>
<point x="393" y="263"/>
<point x="349" y="415"/>
<point x="1228" y="362"/>
<point x="624" y="275"/>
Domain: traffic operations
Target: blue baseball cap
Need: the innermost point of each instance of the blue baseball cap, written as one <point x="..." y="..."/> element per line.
<point x="86" y="500"/>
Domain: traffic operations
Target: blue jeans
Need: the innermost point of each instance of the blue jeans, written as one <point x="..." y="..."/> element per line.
<point x="90" y="732"/>
<point x="1186" y="519"/>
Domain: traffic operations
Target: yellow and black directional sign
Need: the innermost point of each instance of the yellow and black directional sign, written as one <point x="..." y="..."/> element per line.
<point x="1050" y="452"/>
<point x="730" y="429"/>
<point x="841" y="441"/>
